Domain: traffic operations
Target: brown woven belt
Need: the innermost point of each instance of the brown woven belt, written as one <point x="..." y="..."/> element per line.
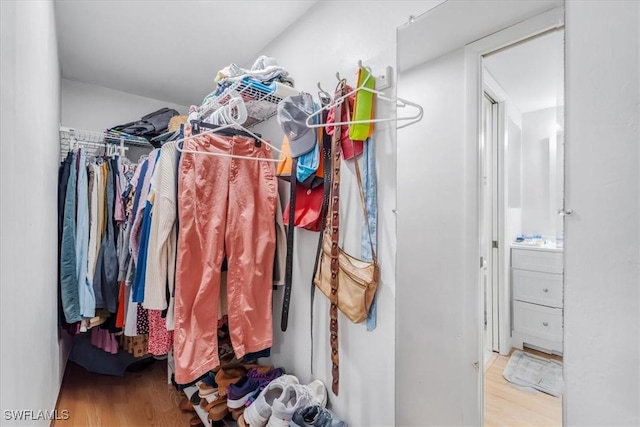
<point x="334" y="200"/>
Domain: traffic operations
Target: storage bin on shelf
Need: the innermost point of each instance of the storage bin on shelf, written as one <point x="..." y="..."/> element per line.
<point x="261" y="99"/>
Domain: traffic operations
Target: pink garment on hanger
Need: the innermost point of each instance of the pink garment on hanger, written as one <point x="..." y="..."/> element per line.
<point x="118" y="213"/>
<point x="350" y="149"/>
<point x="227" y="208"/>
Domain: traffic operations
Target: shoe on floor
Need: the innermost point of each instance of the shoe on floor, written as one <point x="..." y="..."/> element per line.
<point x="195" y="421"/>
<point x="294" y="397"/>
<point x="315" y="416"/>
<point x="259" y="412"/>
<point x="239" y="393"/>
<point x="236" y="413"/>
<point x="218" y="412"/>
<point x="319" y="392"/>
<point x="195" y="398"/>
<point x="227" y="376"/>
<point x="265" y="377"/>
<point x="186" y="406"/>
<point x="205" y="390"/>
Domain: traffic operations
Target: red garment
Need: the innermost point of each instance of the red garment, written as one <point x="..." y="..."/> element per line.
<point x="160" y="340"/>
<point x="120" y="313"/>
<point x="350" y="149"/>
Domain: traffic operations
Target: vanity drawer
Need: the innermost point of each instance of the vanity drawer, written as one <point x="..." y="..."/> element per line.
<point x="538" y="288"/>
<point x="538" y="321"/>
<point x="536" y="260"/>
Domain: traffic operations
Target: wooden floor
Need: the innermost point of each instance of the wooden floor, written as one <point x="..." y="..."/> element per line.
<point x="138" y="399"/>
<point x="506" y="405"/>
<point x="145" y="399"/>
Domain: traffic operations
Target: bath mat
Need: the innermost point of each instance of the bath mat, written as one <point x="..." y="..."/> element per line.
<point x="526" y="370"/>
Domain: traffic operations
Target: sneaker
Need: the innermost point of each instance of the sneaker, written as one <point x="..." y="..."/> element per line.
<point x="315" y="416"/>
<point x="259" y="412"/>
<point x="265" y="378"/>
<point x="319" y="392"/>
<point x="294" y="397"/>
<point x="239" y="393"/>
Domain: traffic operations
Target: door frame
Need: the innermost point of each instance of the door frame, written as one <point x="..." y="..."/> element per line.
<point x="490" y="217"/>
<point x="501" y="266"/>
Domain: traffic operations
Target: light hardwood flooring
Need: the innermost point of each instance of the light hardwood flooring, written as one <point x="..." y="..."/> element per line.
<point x="145" y="399"/>
<point x="506" y="405"/>
<point x="137" y="399"/>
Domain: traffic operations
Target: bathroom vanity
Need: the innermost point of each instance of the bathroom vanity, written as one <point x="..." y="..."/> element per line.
<point x="537" y="289"/>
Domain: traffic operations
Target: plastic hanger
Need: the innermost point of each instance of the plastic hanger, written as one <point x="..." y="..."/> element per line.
<point x="235" y="156"/>
<point x="400" y="102"/>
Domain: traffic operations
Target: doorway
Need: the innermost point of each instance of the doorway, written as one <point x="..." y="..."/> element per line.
<point x="521" y="199"/>
<point x="438" y="268"/>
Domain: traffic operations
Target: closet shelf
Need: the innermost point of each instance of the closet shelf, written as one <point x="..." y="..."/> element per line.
<point x="95" y="142"/>
<point x="260" y="99"/>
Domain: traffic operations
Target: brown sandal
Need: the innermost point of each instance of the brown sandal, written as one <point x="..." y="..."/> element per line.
<point x="186" y="406"/>
<point x="195" y="421"/>
<point x="218" y="401"/>
<point x="218" y="412"/>
<point x="236" y="413"/>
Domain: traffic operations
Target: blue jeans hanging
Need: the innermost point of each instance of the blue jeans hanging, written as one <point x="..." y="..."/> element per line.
<point x="370" y="186"/>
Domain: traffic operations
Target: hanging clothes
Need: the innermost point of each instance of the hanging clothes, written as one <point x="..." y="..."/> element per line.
<point x="140" y="230"/>
<point x="86" y="294"/>
<point x="94" y="237"/>
<point x="63" y="180"/>
<point x="160" y="266"/>
<point x="160" y="340"/>
<point x="226" y="207"/>
<point x="68" y="264"/>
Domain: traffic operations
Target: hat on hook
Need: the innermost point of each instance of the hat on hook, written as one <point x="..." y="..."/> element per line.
<point x="292" y="115"/>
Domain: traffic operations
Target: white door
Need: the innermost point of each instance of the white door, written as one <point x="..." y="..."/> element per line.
<point x="437" y="292"/>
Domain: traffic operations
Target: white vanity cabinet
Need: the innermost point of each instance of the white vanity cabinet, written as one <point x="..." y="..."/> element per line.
<point x="537" y="278"/>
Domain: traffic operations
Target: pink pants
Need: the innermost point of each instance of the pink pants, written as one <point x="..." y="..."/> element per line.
<point x="226" y="206"/>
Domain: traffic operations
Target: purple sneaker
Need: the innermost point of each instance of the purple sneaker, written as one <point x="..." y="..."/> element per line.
<point x="265" y="378"/>
<point x="239" y="393"/>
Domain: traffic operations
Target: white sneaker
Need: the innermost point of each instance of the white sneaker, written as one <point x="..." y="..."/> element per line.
<point x="294" y="397"/>
<point x="259" y="412"/>
<point x="319" y="393"/>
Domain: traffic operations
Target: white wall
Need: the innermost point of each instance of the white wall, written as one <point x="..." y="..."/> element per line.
<point x="538" y="211"/>
<point x="514" y="164"/>
<point x="33" y="358"/>
<point x="96" y="108"/>
<point x="328" y="40"/>
<point x="602" y="300"/>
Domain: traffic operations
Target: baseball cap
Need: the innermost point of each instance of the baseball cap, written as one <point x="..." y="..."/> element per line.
<point x="293" y="112"/>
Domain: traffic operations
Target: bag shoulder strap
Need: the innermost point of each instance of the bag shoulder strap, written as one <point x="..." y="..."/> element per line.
<point x="365" y="212"/>
<point x="363" y="201"/>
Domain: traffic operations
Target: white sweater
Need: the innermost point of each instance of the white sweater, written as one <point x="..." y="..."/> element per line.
<point x="161" y="256"/>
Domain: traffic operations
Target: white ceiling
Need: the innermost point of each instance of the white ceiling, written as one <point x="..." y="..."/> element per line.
<point x="167" y="50"/>
<point x="531" y="73"/>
